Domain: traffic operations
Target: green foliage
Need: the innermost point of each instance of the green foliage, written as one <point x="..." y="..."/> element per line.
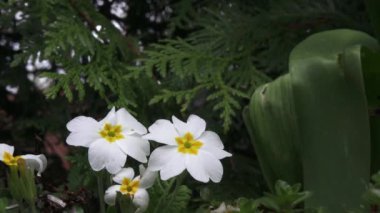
<point x="322" y="88"/>
<point x="285" y="198"/>
<point x="248" y="205"/>
<point x="271" y="121"/>
<point x="214" y="56"/>
<point x="164" y="197"/>
<point x="372" y="195"/>
<point x="202" y="70"/>
<point x="80" y="174"/>
<point x="3" y="204"/>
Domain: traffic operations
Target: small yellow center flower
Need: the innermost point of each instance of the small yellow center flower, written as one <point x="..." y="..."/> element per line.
<point x="187" y="144"/>
<point x="111" y="132"/>
<point x="129" y="187"/>
<point x="10" y="160"/>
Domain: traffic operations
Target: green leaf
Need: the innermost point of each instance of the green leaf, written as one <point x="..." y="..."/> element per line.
<point x="332" y="117"/>
<point x="271" y="121"/>
<point x="285" y="198"/>
<point x="248" y="205"/>
<point x="3" y="204"/>
<point x="174" y="201"/>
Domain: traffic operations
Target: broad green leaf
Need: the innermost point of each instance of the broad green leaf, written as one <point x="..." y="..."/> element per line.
<point x="271" y="121"/>
<point x="332" y="114"/>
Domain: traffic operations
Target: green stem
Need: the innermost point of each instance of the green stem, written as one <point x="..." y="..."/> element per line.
<point x="99" y="177"/>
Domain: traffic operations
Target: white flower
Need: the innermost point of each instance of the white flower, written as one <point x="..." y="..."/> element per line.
<point x="135" y="188"/>
<point x="188" y="146"/>
<point x="34" y="162"/>
<point x="109" y="140"/>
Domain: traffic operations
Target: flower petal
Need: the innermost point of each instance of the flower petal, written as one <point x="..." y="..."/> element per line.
<point x="129" y="123"/>
<point x="35" y="162"/>
<point x="174" y="167"/>
<point x="110" y="118"/>
<point x="124" y="173"/>
<point x="160" y="157"/>
<point x="134" y="147"/>
<point x="194" y="165"/>
<point x="84" y="131"/>
<point x="82" y="139"/>
<point x="110" y="195"/>
<point x="162" y="131"/>
<point x="148" y="178"/>
<point x="195" y="125"/>
<point x="211" y="139"/>
<point x="141" y="200"/>
<point x="216" y="152"/>
<point x="104" y="154"/>
<point x="82" y="124"/>
<point x="212" y="165"/>
<point x="5" y="148"/>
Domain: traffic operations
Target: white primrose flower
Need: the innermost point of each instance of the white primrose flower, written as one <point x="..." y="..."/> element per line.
<point x="133" y="187"/>
<point x="110" y="140"/>
<point x="34" y="162"/>
<point x="188" y="146"/>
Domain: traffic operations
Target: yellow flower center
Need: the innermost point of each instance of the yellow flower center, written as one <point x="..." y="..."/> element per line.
<point x="10" y="160"/>
<point x="111" y="132"/>
<point x="187" y="144"/>
<point x="129" y="187"/>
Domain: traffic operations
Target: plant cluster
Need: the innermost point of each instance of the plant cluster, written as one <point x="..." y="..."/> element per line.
<point x="154" y="59"/>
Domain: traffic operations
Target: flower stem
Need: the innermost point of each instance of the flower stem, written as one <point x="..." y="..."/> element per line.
<point x="99" y="177"/>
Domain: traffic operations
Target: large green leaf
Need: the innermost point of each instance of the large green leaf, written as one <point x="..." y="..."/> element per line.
<point x="332" y="114"/>
<point x="272" y="123"/>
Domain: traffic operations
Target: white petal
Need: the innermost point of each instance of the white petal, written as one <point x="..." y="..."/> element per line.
<point x="110" y="195"/>
<point x="194" y="165"/>
<point x="84" y="131"/>
<point x="216" y="152"/>
<point x="141" y="200"/>
<point x="5" y="148"/>
<point x="82" y="139"/>
<point x="212" y="165"/>
<point x="110" y="118"/>
<point x="211" y="139"/>
<point x="162" y="131"/>
<point x="124" y="173"/>
<point x="134" y="147"/>
<point x="174" y="167"/>
<point x="179" y="125"/>
<point x="104" y="154"/>
<point x="35" y="162"/>
<point x="195" y="125"/>
<point x="129" y="123"/>
<point x="83" y="124"/>
<point x="148" y="178"/>
<point x="160" y="157"/>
